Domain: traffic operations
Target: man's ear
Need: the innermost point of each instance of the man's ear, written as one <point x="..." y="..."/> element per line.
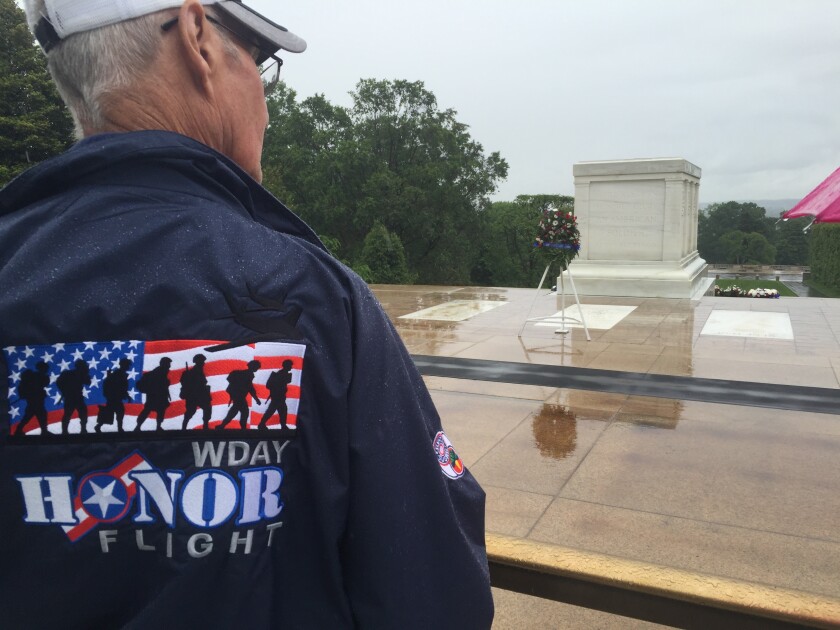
<point x="199" y="44"/>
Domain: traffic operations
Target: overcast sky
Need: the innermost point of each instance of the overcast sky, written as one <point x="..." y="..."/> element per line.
<point x="748" y="90"/>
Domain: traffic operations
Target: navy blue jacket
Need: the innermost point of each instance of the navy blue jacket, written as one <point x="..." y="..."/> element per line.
<point x="332" y="501"/>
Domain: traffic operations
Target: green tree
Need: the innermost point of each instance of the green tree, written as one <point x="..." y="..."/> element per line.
<point x="721" y="218"/>
<point x="438" y="179"/>
<point x="707" y="239"/>
<point x="34" y="123"/>
<point x="744" y="248"/>
<point x="393" y="157"/>
<point x="792" y="243"/>
<point x="825" y="254"/>
<point x="383" y="255"/>
<point x="508" y="257"/>
<point x="306" y="163"/>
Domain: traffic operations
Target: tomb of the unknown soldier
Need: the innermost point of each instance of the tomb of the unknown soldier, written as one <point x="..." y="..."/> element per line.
<point x="638" y="224"/>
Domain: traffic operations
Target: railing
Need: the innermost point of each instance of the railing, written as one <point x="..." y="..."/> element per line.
<point x="658" y="594"/>
<point x="708" y="390"/>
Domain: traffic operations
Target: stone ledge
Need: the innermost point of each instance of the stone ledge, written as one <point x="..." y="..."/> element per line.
<point x="544" y="562"/>
<point x="636" y="167"/>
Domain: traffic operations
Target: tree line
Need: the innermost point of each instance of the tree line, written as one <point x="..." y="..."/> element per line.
<point x="742" y="233"/>
<point x="399" y="190"/>
<point x="394" y="184"/>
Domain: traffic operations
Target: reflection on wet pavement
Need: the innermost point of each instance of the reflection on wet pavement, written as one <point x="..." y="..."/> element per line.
<point x="658" y="413"/>
<point x="555" y="431"/>
<point x="725" y="490"/>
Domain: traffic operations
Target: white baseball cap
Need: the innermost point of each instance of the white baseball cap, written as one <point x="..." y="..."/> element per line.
<point x="66" y="17"/>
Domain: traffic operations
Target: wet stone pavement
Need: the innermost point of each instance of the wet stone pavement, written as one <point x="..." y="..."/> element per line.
<point x="734" y="491"/>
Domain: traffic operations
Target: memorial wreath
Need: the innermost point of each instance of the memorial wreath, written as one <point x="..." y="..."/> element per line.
<point x="558" y="236"/>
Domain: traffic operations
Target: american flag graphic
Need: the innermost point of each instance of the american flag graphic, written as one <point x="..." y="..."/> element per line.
<point x="104" y="357"/>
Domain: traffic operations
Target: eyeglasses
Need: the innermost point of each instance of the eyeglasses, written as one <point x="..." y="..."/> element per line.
<point x="257" y="54"/>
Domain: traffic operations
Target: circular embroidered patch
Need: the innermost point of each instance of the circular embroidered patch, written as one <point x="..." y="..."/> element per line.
<point x="450" y="463"/>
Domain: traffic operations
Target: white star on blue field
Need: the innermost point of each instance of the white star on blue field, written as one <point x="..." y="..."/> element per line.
<point x="100" y="356"/>
<point x="104" y="492"/>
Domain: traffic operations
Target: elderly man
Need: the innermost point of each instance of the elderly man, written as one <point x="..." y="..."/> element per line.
<point x="149" y="241"/>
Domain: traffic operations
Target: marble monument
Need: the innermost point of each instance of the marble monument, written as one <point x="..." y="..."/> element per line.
<point x="638" y="225"/>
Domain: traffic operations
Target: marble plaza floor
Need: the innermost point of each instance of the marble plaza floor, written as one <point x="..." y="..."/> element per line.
<point x="726" y="490"/>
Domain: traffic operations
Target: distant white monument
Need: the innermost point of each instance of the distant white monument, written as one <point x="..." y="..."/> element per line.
<point x="638" y="225"/>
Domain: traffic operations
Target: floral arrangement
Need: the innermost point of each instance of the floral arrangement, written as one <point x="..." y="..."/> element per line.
<point x="736" y="291"/>
<point x="763" y="293"/>
<point x="730" y="291"/>
<point x="558" y="235"/>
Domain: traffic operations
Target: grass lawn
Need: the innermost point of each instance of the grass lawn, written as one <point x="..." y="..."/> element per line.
<point x="746" y="285"/>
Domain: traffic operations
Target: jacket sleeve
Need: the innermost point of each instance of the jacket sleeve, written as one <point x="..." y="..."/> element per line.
<point x="413" y="552"/>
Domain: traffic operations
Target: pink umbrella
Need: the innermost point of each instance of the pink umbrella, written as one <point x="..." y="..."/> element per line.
<point x="823" y="203"/>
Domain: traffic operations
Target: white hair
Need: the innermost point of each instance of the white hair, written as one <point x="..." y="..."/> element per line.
<point x="90" y="66"/>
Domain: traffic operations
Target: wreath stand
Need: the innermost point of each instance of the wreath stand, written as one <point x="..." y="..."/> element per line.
<point x="563" y="330"/>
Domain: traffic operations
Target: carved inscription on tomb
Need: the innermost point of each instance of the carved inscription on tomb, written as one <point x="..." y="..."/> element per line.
<point x="626" y="220"/>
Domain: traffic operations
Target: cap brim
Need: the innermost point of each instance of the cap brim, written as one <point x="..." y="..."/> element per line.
<point x="273" y="36"/>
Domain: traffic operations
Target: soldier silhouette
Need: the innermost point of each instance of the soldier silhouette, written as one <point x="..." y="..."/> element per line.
<point x="155" y="384"/>
<point x="240" y="384"/>
<point x="196" y="391"/>
<point x="115" y="390"/>
<point x="71" y="385"/>
<point x="33" y="389"/>
<point x="277" y="384"/>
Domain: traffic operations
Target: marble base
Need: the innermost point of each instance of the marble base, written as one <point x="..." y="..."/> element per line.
<point x="755" y="324"/>
<point x="455" y="310"/>
<point x="684" y="279"/>
<point x="596" y="316"/>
